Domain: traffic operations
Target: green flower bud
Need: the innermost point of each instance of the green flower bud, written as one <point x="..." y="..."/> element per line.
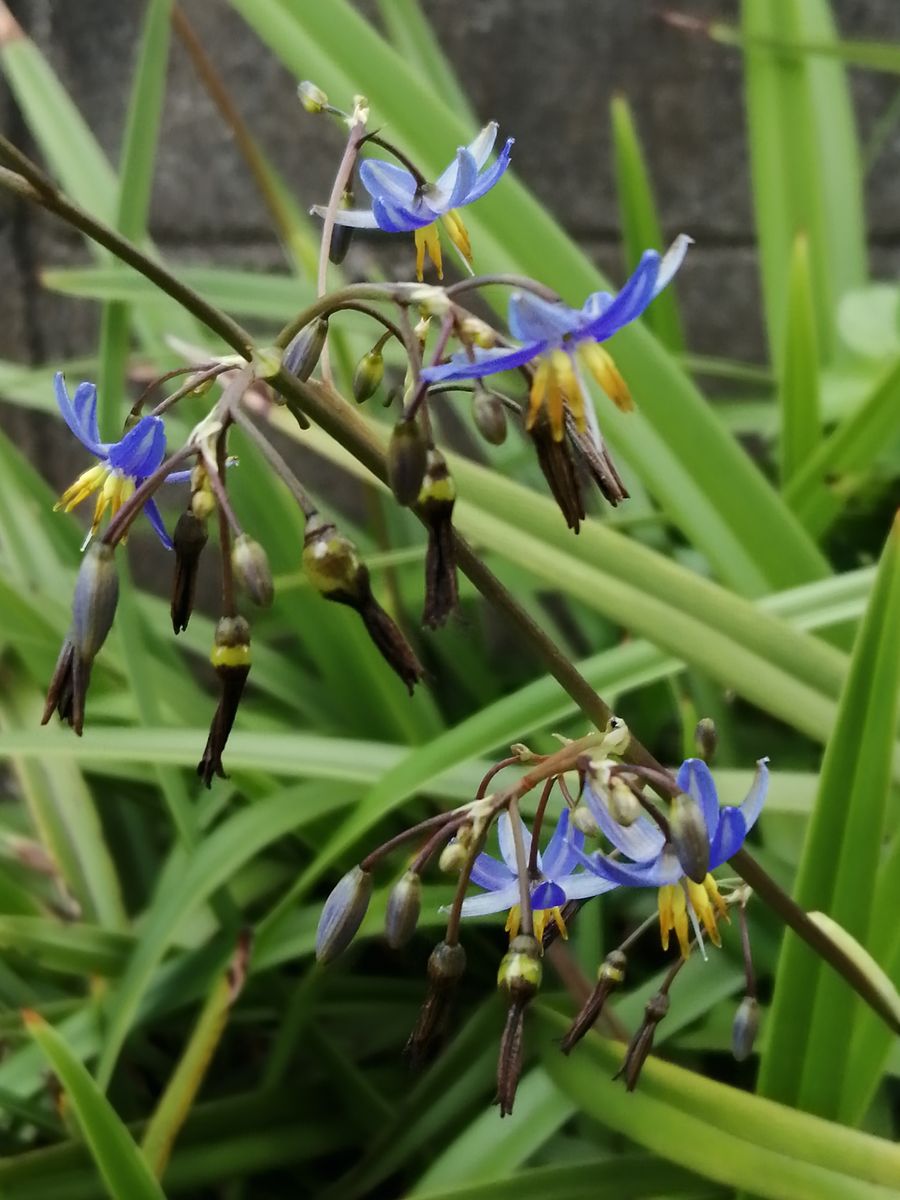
<point x="312" y="97"/>
<point x="706" y="738"/>
<point x="95" y="600"/>
<point x="624" y="807"/>
<point x="490" y="416"/>
<point x="305" y="349"/>
<point x="343" y="914"/>
<point x="251" y="568"/>
<point x="403" y="908"/>
<point x="330" y="560"/>
<point x="745" y="1028"/>
<point x="407" y="461"/>
<point x="454" y="857"/>
<point x="689" y="837"/>
<point x="368" y="374"/>
<point x="521" y="969"/>
<point x="583" y="820"/>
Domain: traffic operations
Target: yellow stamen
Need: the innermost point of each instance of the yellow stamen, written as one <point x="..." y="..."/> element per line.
<point x="713" y="891"/>
<point x="673" y="914"/>
<point x="570" y="391"/>
<point x="428" y="239"/>
<point x="540" y="917"/>
<point x="539" y="384"/>
<point x="605" y="371"/>
<point x="512" y="922"/>
<point x="458" y="233"/>
<point x="702" y="906"/>
<point x="86" y="483"/>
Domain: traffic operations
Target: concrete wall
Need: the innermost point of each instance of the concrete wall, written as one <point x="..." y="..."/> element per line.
<point x="544" y="68"/>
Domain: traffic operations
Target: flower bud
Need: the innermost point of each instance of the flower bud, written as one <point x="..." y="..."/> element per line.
<point x="446" y="966"/>
<point x="489" y="416"/>
<point x="706" y="738"/>
<point x="454" y="857"/>
<point x="305" y="349"/>
<point x="403" y="908"/>
<point x="341" y="235"/>
<point x="407" y="461"/>
<point x="522" y="752"/>
<point x="342" y="914"/>
<point x="368" y="374"/>
<point x="583" y="820"/>
<point x="745" y="1028"/>
<point x="95" y="600"/>
<point x="251" y="567"/>
<point x="616" y="736"/>
<point x="624" y="807"/>
<point x="203" y="500"/>
<point x="520" y="968"/>
<point x="472" y="329"/>
<point x="431" y="301"/>
<point x="689" y="837"/>
<point x="446" y="963"/>
<point x="188" y="539"/>
<point x="312" y="97"/>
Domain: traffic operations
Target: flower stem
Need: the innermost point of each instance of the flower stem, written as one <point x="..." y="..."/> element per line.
<point x="526" y="918"/>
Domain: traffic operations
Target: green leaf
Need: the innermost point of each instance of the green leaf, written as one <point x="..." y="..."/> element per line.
<point x="124" y="1171"/>
<point x="595" y="1179"/>
<point x="808" y="1056"/>
<point x="641" y="227"/>
<point x="412" y="36"/>
<point x="720" y="1132"/>
<point x="805" y="163"/>
<point x="798" y="391"/>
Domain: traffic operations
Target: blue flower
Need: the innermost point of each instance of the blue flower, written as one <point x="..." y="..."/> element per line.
<point x="401" y="204"/>
<point x="554" y="333"/>
<point x="556" y="880"/>
<point x="123" y="464"/>
<point x="655" y="863"/>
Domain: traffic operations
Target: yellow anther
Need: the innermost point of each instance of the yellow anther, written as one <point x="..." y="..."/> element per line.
<point x="86" y="483"/>
<point x="540" y="918"/>
<point x="605" y="371"/>
<point x="673" y="915"/>
<point x="512" y="921"/>
<point x="702" y="906"/>
<point x="458" y="233"/>
<point x="428" y="239"/>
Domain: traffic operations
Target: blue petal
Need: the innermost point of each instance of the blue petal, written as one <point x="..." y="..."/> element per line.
<point x="584" y="885"/>
<point x="178" y="477"/>
<point x="71" y="416"/>
<point x="672" y="260"/>
<point x="487" y="362"/>
<point x="488" y="873"/>
<point x="357" y="218"/>
<point x="141" y="450"/>
<point x="386" y="181"/>
<point x="729" y="837"/>
<point x="694" y="778"/>
<point x="483" y="143"/>
<point x="665" y="868"/>
<point x="548" y="894"/>
<point x="153" y="516"/>
<point x="84" y="402"/>
<point x="641" y="841"/>
<point x="755" y="798"/>
<point x="596" y="305"/>
<point x="508" y="843"/>
<point x="454" y="184"/>
<point x="558" y="857"/>
<point x="492" y="175"/>
<point x="532" y="319"/>
<point x="630" y="302"/>
<point x="394" y="218"/>
<point x="490" y="902"/>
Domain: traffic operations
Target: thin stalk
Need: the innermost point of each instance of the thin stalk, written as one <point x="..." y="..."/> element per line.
<point x="275" y="461"/>
<point x="503" y="280"/>
<point x="229" y="602"/>
<point x="537" y="823"/>
<point x="526" y="920"/>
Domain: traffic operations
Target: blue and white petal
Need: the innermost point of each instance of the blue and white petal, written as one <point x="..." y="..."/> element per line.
<point x="387" y="181"/>
<point x="508" y="843"/>
<point x="672" y="260"/>
<point x="488" y="178"/>
<point x="394" y="218"/>
<point x="483" y="143"/>
<point x="488" y="873"/>
<point x="491" y="902"/>
<point x="547" y="894"/>
<point x="756" y="797"/>
<point x="630" y="302"/>
<point x="584" y="885"/>
<point x="559" y="857"/>
<point x="452" y="186"/>
<point x="155" y="519"/>
<point x="641" y="840"/>
<point x="356" y="218"/>
<point x="487" y="362"/>
<point x="141" y="450"/>
<point x="533" y="319"/>
<point x="79" y="419"/>
<point x="694" y="777"/>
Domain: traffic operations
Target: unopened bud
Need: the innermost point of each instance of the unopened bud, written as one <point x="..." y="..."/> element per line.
<point x="583" y="820"/>
<point x="203" y="500"/>
<point x="520" y="968"/>
<point x="454" y="857"/>
<point x="330" y="559"/>
<point x="407" y="460"/>
<point x="624" y="807"/>
<point x="473" y="330"/>
<point x="403" y="908"/>
<point x="421" y="329"/>
<point x="446" y="963"/>
<point x="368" y="374"/>
<point x="95" y="600"/>
<point x="312" y="97"/>
<point x="616" y="736"/>
<point x="251" y="567"/>
<point x="489" y="416"/>
<point x="689" y="837"/>
<point x="706" y="738"/>
<point x="745" y="1028"/>
<point x="431" y="301"/>
<point x="343" y="914"/>
<point x="522" y="752"/>
<point x="305" y="349"/>
<point x="188" y="539"/>
<point x="341" y="235"/>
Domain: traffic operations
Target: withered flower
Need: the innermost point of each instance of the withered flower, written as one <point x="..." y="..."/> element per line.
<point x="446" y="966"/>
<point x="642" y="1042"/>
<point x="436" y="500"/>
<point x="336" y="571"/>
<point x="558" y="467"/>
<point x="231" y="659"/>
<point x="189" y="538"/>
<point x="520" y="978"/>
<point x="609" y="977"/>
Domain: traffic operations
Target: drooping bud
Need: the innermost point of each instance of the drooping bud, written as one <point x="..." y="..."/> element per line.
<point x="745" y="1028"/>
<point x="342" y="914"/>
<point x="403" y="908"/>
<point x="454" y="857"/>
<point x="520" y="968"/>
<point x="642" y="1042"/>
<point x="446" y="966"/>
<point x="555" y="460"/>
<point x="624" y="807"/>
<point x="231" y="659"/>
<point x="489" y="416"/>
<point x="369" y="372"/>
<point x="407" y="460"/>
<point x="333" y="567"/>
<point x="312" y="97"/>
<point x="251" y="568"/>
<point x="616" y="736"/>
<point x="584" y="821"/>
<point x="93" y="610"/>
<point x="341" y="235"/>
<point x="304" y="350"/>
<point x="478" y="332"/>
<point x="610" y="976"/>
<point x="689" y="837"/>
<point x="189" y="538"/>
<point x="436" y="500"/>
<point x="706" y="738"/>
<point x="203" y="500"/>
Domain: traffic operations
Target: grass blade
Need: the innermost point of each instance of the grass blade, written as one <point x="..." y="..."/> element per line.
<point x="798" y="390"/>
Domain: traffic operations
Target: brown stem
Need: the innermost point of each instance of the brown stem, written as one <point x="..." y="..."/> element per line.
<point x="526" y="919"/>
<point x="537" y="823"/>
